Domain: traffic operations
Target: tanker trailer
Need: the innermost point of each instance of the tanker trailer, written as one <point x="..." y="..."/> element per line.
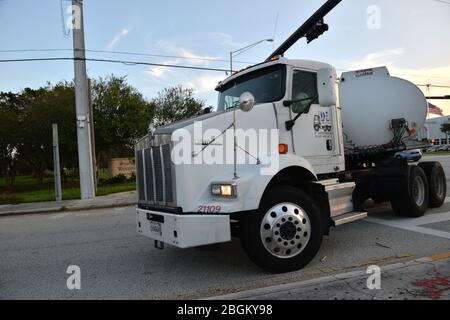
<point x="381" y="115"/>
<point x="374" y="105"/>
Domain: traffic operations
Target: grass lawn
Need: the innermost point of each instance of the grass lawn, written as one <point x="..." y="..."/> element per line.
<point x="27" y="189"/>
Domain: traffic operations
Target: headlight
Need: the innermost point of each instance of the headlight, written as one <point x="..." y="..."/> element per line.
<point x="226" y="190"/>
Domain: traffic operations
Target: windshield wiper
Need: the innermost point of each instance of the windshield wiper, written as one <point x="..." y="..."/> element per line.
<point x="290" y="124"/>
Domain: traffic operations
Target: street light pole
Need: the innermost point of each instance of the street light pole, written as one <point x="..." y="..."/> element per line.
<point x="231" y="63"/>
<point x="244" y="49"/>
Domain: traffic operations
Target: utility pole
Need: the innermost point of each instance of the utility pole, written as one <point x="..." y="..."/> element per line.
<point x="87" y="187"/>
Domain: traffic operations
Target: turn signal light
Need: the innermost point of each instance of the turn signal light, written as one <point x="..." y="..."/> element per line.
<point x="283" y="148"/>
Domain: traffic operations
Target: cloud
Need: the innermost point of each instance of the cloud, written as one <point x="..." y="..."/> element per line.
<point x="224" y="39"/>
<point x="376" y="59"/>
<point x="117" y="38"/>
<point x="184" y="57"/>
<point x="156" y="72"/>
<point x="189" y="56"/>
<point x="161" y="72"/>
<point x="203" y="83"/>
<point x="195" y="59"/>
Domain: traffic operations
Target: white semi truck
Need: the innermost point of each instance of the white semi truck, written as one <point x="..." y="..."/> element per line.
<point x="336" y="141"/>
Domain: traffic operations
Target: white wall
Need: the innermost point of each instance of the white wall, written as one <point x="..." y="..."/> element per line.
<point x="434" y="130"/>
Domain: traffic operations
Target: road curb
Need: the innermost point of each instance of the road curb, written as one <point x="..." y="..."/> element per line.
<point x="27" y="212"/>
<point x="68" y="208"/>
<point x="260" y="292"/>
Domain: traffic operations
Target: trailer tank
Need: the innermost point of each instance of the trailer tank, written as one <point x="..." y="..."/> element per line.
<point x="370" y="99"/>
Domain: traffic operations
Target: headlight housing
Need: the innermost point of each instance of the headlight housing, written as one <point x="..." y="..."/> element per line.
<point x="224" y="190"/>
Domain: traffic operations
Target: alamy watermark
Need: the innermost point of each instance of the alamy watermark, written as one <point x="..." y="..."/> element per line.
<point x="73" y="20"/>
<point x="374" y="280"/>
<point x="374" y="17"/>
<point x="212" y="146"/>
<point x="74" y="280"/>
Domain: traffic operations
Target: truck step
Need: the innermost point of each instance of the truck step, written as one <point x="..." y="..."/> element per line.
<point x="340" y="196"/>
<point x="349" y="217"/>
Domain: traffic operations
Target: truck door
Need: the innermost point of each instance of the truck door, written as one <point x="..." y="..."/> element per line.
<point x="314" y="132"/>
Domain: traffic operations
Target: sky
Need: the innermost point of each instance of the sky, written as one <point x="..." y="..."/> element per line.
<point x="410" y="37"/>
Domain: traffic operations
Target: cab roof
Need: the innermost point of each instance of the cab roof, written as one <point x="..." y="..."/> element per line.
<point x="303" y="64"/>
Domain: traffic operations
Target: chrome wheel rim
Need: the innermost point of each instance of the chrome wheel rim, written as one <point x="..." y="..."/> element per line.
<point x="285" y="230"/>
<point x="419" y="191"/>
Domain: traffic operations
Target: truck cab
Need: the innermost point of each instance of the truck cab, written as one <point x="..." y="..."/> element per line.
<point x="281" y="81"/>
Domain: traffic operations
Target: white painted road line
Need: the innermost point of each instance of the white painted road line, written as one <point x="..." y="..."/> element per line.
<point x="430" y="218"/>
<point x="410" y="226"/>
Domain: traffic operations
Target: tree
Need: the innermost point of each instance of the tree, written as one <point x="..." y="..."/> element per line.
<point x="121" y="117"/>
<point x="42" y="108"/>
<point x="175" y="104"/>
<point x="9" y="138"/>
<point x="445" y="128"/>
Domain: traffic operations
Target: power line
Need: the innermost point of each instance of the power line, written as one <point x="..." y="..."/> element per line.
<point x="405" y="74"/>
<point x="32" y="50"/>
<point x="164" y="56"/>
<point x="431" y="86"/>
<point x="422" y="76"/>
<point x="177" y="57"/>
<point x="154" y="64"/>
<point x="441" y="1"/>
<point x="116" y="61"/>
<point x="126" y="53"/>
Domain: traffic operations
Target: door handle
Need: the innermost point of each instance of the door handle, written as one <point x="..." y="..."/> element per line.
<point x="329" y="145"/>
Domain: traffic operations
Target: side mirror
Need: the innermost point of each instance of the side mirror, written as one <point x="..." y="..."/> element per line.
<point x="246" y="101"/>
<point x="326" y="85"/>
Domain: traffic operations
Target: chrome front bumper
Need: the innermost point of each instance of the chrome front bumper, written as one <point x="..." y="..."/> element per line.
<point x="184" y="231"/>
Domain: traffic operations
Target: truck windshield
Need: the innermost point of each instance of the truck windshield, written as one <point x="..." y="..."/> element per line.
<point x="267" y="85"/>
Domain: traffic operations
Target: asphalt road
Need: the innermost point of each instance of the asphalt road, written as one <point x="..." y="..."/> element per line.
<point x="115" y="262"/>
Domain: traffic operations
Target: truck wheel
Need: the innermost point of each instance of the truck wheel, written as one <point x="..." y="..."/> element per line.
<point x="437" y="183"/>
<point x="415" y="201"/>
<point x="286" y="233"/>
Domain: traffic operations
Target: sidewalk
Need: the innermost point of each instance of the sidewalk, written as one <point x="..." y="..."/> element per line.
<point x="109" y="201"/>
<point x="420" y="279"/>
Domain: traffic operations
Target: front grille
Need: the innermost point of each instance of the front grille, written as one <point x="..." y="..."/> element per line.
<point x="155" y="172"/>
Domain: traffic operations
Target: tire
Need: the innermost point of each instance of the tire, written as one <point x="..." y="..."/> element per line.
<point x="437" y="183"/>
<point x="286" y="233"/>
<point x="414" y="202"/>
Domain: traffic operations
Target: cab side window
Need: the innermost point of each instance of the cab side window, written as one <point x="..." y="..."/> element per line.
<point x="304" y="86"/>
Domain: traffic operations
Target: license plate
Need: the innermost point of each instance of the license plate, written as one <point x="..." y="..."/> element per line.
<point x="155" y="228"/>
